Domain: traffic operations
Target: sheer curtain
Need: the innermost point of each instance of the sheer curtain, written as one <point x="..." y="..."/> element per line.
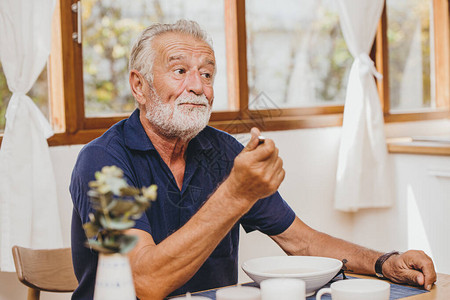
<point x="362" y="174"/>
<point x="28" y="205"/>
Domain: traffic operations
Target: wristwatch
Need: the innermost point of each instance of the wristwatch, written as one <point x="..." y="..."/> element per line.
<point x="380" y="262"/>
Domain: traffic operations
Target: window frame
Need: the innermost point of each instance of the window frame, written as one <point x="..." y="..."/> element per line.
<point x="442" y="56"/>
<point x="67" y="92"/>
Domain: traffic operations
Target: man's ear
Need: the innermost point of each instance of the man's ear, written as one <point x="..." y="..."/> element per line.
<point x="139" y="86"/>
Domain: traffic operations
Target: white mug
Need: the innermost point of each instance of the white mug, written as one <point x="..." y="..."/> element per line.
<point x="357" y="289"/>
<point x="239" y="293"/>
<point x="190" y="297"/>
<point x="282" y="288"/>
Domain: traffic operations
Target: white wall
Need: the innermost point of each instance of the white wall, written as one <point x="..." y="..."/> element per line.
<point x="310" y="160"/>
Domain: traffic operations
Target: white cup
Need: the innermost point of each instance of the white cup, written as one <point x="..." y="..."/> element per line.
<point x="282" y="288"/>
<point x="357" y="289"/>
<point x="190" y="297"/>
<point x="238" y="293"/>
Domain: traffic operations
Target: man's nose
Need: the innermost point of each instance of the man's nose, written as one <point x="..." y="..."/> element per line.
<point x="194" y="83"/>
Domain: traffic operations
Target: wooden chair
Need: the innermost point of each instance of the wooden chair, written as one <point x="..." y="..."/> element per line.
<point x="44" y="270"/>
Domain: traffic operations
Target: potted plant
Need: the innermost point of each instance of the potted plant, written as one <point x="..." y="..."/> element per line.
<point x="116" y="204"/>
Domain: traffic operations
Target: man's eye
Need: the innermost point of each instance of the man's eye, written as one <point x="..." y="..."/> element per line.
<point x="206" y="75"/>
<point x="180" y="71"/>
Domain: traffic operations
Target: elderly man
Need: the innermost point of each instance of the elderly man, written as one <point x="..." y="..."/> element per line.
<point x="208" y="183"/>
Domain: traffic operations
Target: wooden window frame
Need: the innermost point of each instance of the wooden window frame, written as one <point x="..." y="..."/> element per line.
<point x="442" y="58"/>
<point x="78" y="129"/>
<point x="67" y="94"/>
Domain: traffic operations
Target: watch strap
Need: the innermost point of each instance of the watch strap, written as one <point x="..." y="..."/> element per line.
<point x="381" y="260"/>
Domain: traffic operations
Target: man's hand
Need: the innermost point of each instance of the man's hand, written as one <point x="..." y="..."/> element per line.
<point x="412" y="267"/>
<point x="257" y="171"/>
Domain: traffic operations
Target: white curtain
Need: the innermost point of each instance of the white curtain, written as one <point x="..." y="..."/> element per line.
<point x="29" y="213"/>
<point x="362" y="174"/>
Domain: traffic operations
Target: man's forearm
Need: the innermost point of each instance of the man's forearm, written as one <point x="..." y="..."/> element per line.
<point x="357" y="259"/>
<point x="300" y="239"/>
<point x="160" y="269"/>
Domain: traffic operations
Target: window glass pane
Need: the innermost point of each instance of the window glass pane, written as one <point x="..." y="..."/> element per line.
<point x="296" y="53"/>
<point x="411" y="54"/>
<point x="39" y="94"/>
<point x="109" y="30"/>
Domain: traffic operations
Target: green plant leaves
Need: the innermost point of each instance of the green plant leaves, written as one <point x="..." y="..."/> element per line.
<point x="115" y="205"/>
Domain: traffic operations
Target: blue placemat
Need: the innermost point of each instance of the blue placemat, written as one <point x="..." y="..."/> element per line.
<point x="397" y="291"/>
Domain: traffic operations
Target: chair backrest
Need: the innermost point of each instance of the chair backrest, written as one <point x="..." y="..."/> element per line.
<point x="45" y="270"/>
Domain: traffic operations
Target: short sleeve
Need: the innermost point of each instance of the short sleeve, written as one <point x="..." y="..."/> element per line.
<point x="271" y="215"/>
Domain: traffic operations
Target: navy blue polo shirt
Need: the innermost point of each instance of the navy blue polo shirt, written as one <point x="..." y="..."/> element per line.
<point x="209" y="159"/>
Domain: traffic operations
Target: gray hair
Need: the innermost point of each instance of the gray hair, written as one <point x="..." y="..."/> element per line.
<point x="142" y="54"/>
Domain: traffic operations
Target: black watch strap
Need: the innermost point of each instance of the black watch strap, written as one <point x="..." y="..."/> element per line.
<point x="380" y="262"/>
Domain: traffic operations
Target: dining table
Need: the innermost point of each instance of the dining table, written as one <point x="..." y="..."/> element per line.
<point x="439" y="291"/>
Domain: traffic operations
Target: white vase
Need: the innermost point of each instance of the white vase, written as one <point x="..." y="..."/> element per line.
<point x="114" y="280"/>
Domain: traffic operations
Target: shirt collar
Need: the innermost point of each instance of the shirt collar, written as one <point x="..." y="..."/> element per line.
<point x="135" y="136"/>
<point x="137" y="139"/>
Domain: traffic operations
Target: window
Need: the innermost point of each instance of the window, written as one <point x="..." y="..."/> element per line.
<point x="411" y="56"/>
<point x="109" y="30"/>
<point x="412" y="52"/>
<point x="279" y="67"/>
<point x="296" y="53"/>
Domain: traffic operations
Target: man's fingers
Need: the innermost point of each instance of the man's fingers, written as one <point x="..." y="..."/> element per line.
<point x="253" y="143"/>
<point x="420" y="261"/>
<point x="414" y="277"/>
<point x="266" y="147"/>
<point x="420" y="280"/>
<point x="430" y="275"/>
<point x="281" y="173"/>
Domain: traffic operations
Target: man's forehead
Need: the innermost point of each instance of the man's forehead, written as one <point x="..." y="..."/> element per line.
<point x="177" y="46"/>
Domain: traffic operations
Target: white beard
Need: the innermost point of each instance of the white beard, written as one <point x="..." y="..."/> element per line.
<point x="180" y="121"/>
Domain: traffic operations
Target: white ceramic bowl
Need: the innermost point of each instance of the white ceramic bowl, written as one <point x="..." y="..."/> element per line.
<point x="313" y="270"/>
